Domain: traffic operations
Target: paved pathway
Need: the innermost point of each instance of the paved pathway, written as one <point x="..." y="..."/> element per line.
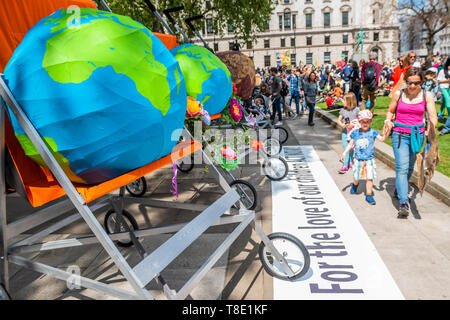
<point x="417" y="250"/>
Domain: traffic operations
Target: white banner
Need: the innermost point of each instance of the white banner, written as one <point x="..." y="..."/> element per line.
<point x="344" y="262"/>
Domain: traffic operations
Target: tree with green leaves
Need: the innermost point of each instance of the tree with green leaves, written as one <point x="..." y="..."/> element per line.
<point x="433" y="15"/>
<point x="246" y="17"/>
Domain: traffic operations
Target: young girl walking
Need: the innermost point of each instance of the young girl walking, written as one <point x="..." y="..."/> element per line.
<point x="348" y="120"/>
<point x="363" y="140"/>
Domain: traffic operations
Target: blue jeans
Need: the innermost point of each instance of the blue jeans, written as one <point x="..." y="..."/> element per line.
<point x="349" y="155"/>
<point x="447" y="125"/>
<point x="296" y="97"/>
<point x="303" y="104"/>
<point x="276" y="108"/>
<point x="404" y="163"/>
<point x="311" y="107"/>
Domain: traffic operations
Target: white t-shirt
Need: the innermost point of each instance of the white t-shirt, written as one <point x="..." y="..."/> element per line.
<point x="441" y="77"/>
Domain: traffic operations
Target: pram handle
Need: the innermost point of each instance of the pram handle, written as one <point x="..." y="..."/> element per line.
<point x="191" y="26"/>
<point x="168" y="12"/>
<point x="158" y="16"/>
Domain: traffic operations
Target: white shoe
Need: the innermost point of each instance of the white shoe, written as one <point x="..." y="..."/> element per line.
<point x="279" y="123"/>
<point x="295" y="116"/>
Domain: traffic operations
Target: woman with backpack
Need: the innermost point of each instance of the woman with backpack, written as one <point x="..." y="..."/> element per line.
<point x="405" y="117"/>
<point x="370" y="73"/>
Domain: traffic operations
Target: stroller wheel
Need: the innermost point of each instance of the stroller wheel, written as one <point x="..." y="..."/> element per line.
<point x="113" y="225"/>
<point x="280" y="133"/>
<point x="272" y="147"/>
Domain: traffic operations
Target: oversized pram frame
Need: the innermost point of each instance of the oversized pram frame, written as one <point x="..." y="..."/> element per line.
<point x="153" y="263"/>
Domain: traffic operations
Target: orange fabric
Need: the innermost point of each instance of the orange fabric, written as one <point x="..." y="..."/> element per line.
<point x="216" y="116"/>
<point x="169" y="41"/>
<point x="19" y="16"/>
<point x="397" y="74"/>
<point x="41" y="187"/>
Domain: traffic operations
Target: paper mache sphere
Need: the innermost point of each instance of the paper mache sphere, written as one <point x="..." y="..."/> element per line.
<point x="103" y="92"/>
<point x="207" y="79"/>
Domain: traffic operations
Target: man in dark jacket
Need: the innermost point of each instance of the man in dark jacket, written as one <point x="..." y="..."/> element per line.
<point x="275" y="86"/>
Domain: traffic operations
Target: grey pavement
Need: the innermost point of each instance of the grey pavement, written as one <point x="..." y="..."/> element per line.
<point x="416" y="251"/>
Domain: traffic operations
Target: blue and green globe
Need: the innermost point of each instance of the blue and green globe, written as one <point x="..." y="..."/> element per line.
<point x="208" y="79"/>
<point x="103" y="92"/>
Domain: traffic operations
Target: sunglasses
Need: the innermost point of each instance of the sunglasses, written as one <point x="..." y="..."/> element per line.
<point x="416" y="83"/>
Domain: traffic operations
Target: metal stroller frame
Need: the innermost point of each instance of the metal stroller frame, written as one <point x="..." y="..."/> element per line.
<point x="152" y="263"/>
<point x="149" y="268"/>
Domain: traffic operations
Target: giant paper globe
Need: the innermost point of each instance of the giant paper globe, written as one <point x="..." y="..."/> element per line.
<point x="103" y="92"/>
<point x="208" y="80"/>
<point x="242" y="71"/>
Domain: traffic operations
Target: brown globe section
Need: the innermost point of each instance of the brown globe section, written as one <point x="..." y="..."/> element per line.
<point x="242" y="72"/>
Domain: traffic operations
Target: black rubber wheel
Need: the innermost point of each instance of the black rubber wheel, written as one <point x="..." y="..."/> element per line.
<point x="137" y="188"/>
<point x="4" y="295"/>
<point x="247" y="193"/>
<point x="185" y="167"/>
<point x="112" y="225"/>
<point x="275" y="168"/>
<point x="292" y="249"/>
<point x="283" y="134"/>
<point x="272" y="147"/>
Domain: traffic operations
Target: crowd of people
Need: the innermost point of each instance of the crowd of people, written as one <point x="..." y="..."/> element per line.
<point x="414" y="86"/>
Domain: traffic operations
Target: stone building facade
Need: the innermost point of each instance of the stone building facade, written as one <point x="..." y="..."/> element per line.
<point x="319" y="31"/>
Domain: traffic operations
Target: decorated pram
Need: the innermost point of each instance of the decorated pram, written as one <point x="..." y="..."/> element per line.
<point x="49" y="182"/>
<point x="265" y="143"/>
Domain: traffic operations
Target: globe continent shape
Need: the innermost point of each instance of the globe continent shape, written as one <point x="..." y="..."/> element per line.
<point x="207" y="79"/>
<point x="102" y="91"/>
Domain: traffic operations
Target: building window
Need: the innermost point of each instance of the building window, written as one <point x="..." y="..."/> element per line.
<point x="216" y="47"/>
<point x="287" y="20"/>
<point x="345" y="38"/>
<point x="230" y="27"/>
<point x="376" y="36"/>
<point x="249" y="45"/>
<point x="209" y="26"/>
<point x="292" y="42"/>
<point x="327" y="39"/>
<point x="293" y="59"/>
<point x="309" y="41"/>
<point x="283" y="43"/>
<point x="266" y="43"/>
<point x="345" y="18"/>
<point x="230" y="45"/>
<point x="309" y="58"/>
<point x="326" y="19"/>
<point x="308" y="18"/>
<point x="280" y="20"/>
<point x="267" y="27"/>
<point x="327" y="57"/>
<point x="294" y="21"/>
<point x="266" y="61"/>
<point x="286" y="1"/>
<point x="376" y="16"/>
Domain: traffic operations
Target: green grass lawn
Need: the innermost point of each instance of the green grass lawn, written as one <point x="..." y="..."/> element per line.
<point x="381" y="106"/>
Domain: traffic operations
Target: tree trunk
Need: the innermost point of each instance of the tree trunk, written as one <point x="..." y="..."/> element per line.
<point x="430" y="47"/>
